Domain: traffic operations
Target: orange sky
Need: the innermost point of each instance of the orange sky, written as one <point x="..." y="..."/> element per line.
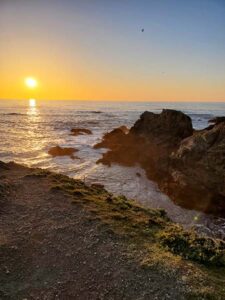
<point x="86" y="52"/>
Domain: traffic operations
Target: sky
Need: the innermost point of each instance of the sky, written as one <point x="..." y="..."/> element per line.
<point x="96" y="50"/>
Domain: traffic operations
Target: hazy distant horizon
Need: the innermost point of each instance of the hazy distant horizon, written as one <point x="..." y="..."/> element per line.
<point x="120" y="100"/>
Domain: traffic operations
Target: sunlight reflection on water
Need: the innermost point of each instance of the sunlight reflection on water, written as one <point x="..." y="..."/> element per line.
<point x="32" y="109"/>
<point x="32" y="102"/>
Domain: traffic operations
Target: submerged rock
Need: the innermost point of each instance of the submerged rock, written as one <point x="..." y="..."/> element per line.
<point x="58" y="151"/>
<point x="80" y="131"/>
<point x="188" y="165"/>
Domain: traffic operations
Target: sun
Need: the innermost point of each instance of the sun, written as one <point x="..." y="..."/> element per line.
<point x="31" y="82"/>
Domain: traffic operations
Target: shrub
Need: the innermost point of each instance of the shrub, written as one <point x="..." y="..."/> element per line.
<point x="187" y="244"/>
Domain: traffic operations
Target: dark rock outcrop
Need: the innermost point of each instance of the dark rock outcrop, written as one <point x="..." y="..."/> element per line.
<point x="113" y="138"/>
<point x="170" y="126"/>
<point x="188" y="165"/>
<point x="197" y="171"/>
<point x="217" y="120"/>
<point x="59" y="151"/>
<point x="3" y="166"/>
<point x="149" y="142"/>
<point x="80" y="131"/>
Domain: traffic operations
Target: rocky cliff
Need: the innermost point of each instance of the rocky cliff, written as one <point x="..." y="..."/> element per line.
<point x="188" y="165"/>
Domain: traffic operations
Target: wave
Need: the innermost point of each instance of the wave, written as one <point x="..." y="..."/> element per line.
<point x="203" y="115"/>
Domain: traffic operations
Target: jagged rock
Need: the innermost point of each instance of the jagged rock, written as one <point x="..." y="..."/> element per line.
<point x="149" y="142"/>
<point x="170" y="126"/>
<point x="197" y="171"/>
<point x="113" y="138"/>
<point x="188" y="165"/>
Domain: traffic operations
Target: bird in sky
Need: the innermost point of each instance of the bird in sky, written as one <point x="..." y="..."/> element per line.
<point x="142" y="30"/>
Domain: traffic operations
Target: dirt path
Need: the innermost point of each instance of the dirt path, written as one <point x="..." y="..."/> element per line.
<point x="52" y="249"/>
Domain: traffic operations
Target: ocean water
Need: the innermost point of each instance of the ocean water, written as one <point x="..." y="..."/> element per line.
<point x="28" y="131"/>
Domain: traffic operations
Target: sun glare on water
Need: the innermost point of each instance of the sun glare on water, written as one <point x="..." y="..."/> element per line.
<point x="32" y="103"/>
<point x="31" y="82"/>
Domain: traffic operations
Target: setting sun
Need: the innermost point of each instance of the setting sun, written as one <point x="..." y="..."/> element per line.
<point x="31" y="82"/>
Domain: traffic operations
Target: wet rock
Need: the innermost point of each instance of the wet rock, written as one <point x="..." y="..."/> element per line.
<point x="113" y="138"/>
<point x="80" y="131"/>
<point x="59" y="151"/>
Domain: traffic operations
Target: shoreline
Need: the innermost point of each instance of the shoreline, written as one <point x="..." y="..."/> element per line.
<point x="41" y="199"/>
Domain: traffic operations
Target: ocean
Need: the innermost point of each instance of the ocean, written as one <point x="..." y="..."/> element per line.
<point x="29" y="129"/>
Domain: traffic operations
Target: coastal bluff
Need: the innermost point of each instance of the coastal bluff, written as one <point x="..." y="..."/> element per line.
<point x="187" y="164"/>
<point x="62" y="239"/>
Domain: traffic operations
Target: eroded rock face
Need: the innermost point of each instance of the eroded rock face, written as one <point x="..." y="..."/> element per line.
<point x="197" y="171"/>
<point x="188" y="165"/>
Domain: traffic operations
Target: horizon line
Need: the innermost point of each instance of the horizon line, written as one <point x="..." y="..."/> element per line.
<point x="117" y="100"/>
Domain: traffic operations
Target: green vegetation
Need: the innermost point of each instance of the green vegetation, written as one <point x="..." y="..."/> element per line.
<point x="189" y="245"/>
